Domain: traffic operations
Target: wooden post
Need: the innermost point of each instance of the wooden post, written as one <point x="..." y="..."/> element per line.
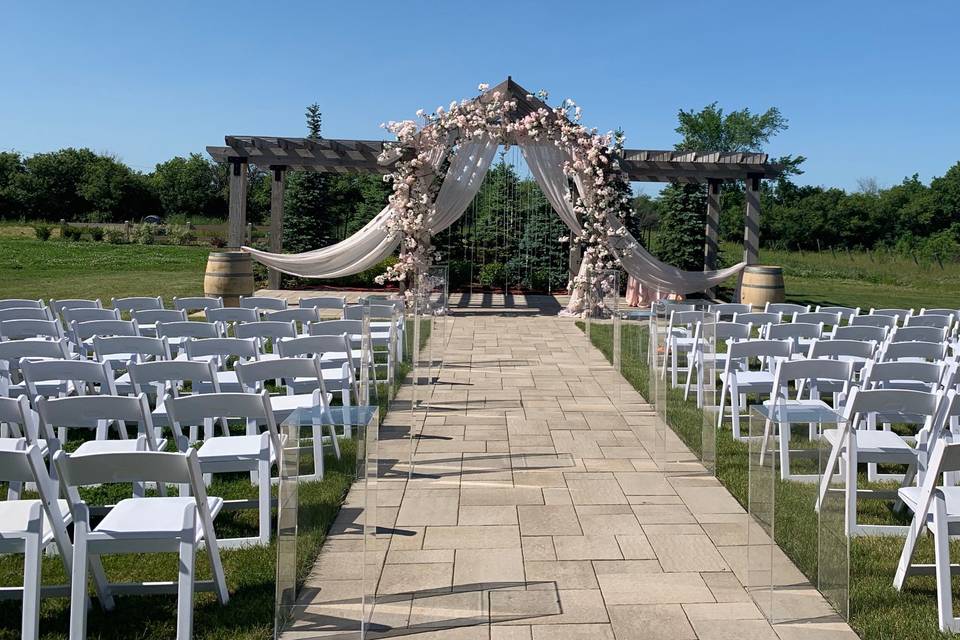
<point x="277" y="186"/>
<point x="238" y="203"/>
<point x="711" y="233"/>
<point x="751" y="225"/>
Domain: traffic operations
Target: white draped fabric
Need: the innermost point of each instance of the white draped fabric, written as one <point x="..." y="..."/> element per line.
<point x="372" y="243"/>
<point x="546" y="165"/>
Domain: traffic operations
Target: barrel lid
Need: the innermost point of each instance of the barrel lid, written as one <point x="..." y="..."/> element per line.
<point x="761" y="268"/>
<point x="229" y="254"/>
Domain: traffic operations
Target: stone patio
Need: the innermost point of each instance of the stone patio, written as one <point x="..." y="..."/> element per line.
<point x="536" y="510"/>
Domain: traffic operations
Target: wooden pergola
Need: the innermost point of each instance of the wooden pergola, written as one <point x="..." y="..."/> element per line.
<point x="282" y="154"/>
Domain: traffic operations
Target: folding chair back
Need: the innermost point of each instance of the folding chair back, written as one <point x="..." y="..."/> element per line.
<point x="929" y="351"/>
<point x="353" y="311"/>
<point x="70" y="316"/>
<point x="231" y="315"/>
<point x="861" y="332"/>
<point x="878" y="320"/>
<point x="900" y="314"/>
<point x="188" y="329"/>
<point x="794" y="330"/>
<point x="313" y="345"/>
<point x="194" y="409"/>
<point x="153" y="316"/>
<point x="831" y="349"/>
<point x="818" y="317"/>
<point x="84" y="374"/>
<point x="20" y="303"/>
<point x="746" y="350"/>
<point x="903" y="375"/>
<point x="22" y="329"/>
<point x="758" y="319"/>
<point x="786" y="308"/>
<point x="303" y="316"/>
<point x="323" y="302"/>
<point x="380" y="311"/>
<point x="336" y="328"/>
<point x="140" y="347"/>
<point x="83" y="331"/>
<point x="921" y="334"/>
<point x="266" y="330"/>
<point x="252" y="375"/>
<point x="89" y="412"/>
<point x="59" y="306"/>
<point x="810" y="374"/>
<point x="198" y="303"/>
<point x="137" y="303"/>
<point x="845" y="312"/>
<point x="727" y="310"/>
<point x="732" y="331"/>
<point x="223" y="348"/>
<point x="953" y="313"/>
<point x="263" y="303"/>
<point x="686" y="319"/>
<point x="17" y="414"/>
<point x="938" y="321"/>
<point x="24" y="313"/>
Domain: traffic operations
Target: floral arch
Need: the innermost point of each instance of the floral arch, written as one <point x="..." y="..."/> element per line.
<point x="438" y="164"/>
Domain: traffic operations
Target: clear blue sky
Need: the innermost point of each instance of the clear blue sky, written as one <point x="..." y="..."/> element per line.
<point x="870" y="88"/>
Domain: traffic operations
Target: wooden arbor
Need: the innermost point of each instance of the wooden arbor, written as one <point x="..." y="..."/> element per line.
<point x="280" y="154"/>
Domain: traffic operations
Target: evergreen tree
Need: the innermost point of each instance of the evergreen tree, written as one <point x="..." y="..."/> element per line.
<point x="306" y="223"/>
<point x="682" y="219"/>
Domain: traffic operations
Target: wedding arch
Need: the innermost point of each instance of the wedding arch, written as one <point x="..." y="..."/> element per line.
<point x="437" y="164"/>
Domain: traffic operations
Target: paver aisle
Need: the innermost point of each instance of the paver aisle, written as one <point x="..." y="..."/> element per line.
<point x="537" y="511"/>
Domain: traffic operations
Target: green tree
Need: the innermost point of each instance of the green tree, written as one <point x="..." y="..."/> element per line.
<point x="306" y="224"/>
<point x="190" y="186"/>
<point x="682" y="220"/>
<point x="48" y="187"/>
<point x="11" y="166"/>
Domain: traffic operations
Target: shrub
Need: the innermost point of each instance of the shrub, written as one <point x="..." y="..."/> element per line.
<point x="42" y="231"/>
<point x="71" y="233"/>
<point x="96" y="233"/>
<point x="144" y="233"/>
<point x="492" y="274"/>
<point x="217" y="242"/>
<point x="180" y="234"/>
<point x="115" y="236"/>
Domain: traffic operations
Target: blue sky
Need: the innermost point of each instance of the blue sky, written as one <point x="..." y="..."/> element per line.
<point x="870" y="88"/>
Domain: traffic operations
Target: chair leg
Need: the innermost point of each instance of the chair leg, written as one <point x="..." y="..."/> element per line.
<point x="264" y="473"/>
<point x="735" y="401"/>
<point x="32" y="563"/>
<point x="941" y="548"/>
<point x="336" y="443"/>
<point x="318" y="470"/>
<point x="185" y="589"/>
<point x="723" y="397"/>
<point x="78" y="583"/>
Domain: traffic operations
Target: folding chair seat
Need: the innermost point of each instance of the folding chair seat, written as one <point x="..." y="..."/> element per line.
<point x="147" y="319"/>
<point x="302" y="370"/>
<point x="786" y="309"/>
<point x="137" y="303"/>
<point x="12" y="352"/>
<point x="183" y="525"/>
<point x="221" y="351"/>
<point x="855" y="443"/>
<point x="30" y="527"/>
<point x="255" y="452"/>
<point x="738" y="380"/>
<point x="263" y="303"/>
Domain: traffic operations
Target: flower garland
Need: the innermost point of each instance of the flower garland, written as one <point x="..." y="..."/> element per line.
<point x="604" y="189"/>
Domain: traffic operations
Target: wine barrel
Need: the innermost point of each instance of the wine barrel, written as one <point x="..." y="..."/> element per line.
<point x="230" y="275"/>
<point x="761" y="284"/>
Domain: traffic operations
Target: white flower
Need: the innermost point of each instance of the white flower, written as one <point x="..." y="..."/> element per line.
<point x="483" y="86"/>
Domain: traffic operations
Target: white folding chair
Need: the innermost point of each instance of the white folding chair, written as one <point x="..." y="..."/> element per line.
<point x="935" y="320"/>
<point x="852" y="445"/>
<point x="263" y="303"/>
<point x="170" y="377"/>
<point x="254" y="452"/>
<point x="181" y="525"/>
<point x="787" y="309"/>
<point x="353" y="330"/>
<point x="808" y="377"/>
<point x="12" y="352"/>
<point x="92" y="412"/>
<point x="86" y="315"/>
<point x="147" y="319"/>
<point x="57" y="378"/>
<point x="84" y="332"/>
<point x="267" y="333"/>
<point x="177" y="333"/>
<point x="137" y="303"/>
<point x="229" y="317"/>
<point x="339" y="374"/>
<point x="801" y="333"/>
<point x="302" y="317"/>
<point x="861" y="333"/>
<point x="60" y="306"/>
<point x="680" y="340"/>
<point x="222" y="351"/>
<point x="21" y="429"/>
<point x="856" y="352"/>
<point x="724" y="333"/>
<point x="918" y="333"/>
<point x="120" y="351"/>
<point x="738" y="380"/>
<point x="726" y="310"/>
<point x="759" y="319"/>
<point x="830" y="321"/>
<point x="323" y="303"/>
<point x="936" y="508"/>
<point x="879" y="320"/>
<point x="917" y="351"/>
<point x="30" y="527"/>
<point x="293" y="372"/>
<point x="900" y="314"/>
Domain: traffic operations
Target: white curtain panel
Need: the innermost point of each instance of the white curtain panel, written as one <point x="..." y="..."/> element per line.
<point x="546" y="164"/>
<point x="371" y="244"/>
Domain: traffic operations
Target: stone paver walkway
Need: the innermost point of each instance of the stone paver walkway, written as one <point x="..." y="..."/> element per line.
<point x="536" y="511"/>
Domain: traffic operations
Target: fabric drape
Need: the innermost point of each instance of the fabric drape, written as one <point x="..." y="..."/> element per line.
<point x="546" y="164"/>
<point x="372" y="243"/>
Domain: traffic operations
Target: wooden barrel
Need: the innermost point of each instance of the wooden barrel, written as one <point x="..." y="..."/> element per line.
<point x="761" y="284"/>
<point x="230" y="275"/>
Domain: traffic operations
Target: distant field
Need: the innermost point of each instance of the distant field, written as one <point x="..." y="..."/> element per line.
<point x="862" y="279"/>
<point x="30" y="268"/>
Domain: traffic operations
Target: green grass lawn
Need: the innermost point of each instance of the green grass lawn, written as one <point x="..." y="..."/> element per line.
<point x="877" y="610"/>
<point x="31" y="268"/>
